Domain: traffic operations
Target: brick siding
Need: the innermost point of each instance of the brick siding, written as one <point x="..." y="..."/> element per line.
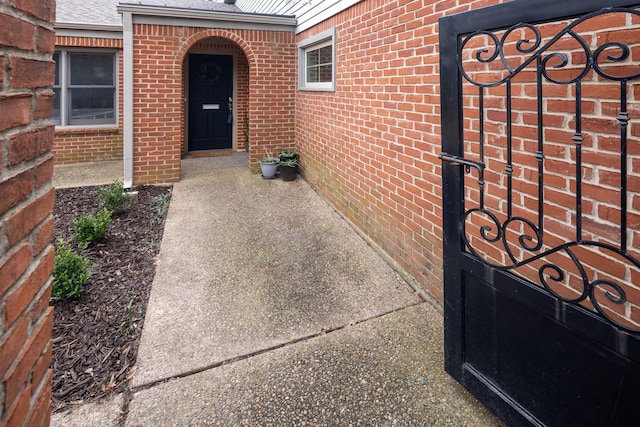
<point x="26" y="223"/>
<point x="160" y="52"/>
<point x="265" y="91"/>
<point x="371" y="147"/>
<point x="82" y="144"/>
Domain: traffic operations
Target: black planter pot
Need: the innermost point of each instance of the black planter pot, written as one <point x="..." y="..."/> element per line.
<point x="285" y="158"/>
<point x="288" y="173"/>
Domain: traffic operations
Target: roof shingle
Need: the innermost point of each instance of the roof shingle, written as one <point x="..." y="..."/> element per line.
<point x="104" y="12"/>
<point x="96" y="12"/>
<point x="207" y="5"/>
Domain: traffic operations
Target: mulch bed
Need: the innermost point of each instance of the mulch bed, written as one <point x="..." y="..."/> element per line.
<point x="95" y="337"/>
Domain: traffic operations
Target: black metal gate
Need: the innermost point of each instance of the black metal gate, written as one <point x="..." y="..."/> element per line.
<point x="541" y="202"/>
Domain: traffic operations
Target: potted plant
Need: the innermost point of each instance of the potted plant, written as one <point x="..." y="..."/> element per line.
<point x="289" y="169"/>
<point x="269" y="166"/>
<point x="287" y="155"/>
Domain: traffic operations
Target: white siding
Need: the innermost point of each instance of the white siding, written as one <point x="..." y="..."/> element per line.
<point x="308" y="12"/>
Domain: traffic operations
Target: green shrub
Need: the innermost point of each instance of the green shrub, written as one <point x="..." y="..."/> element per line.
<point x="91" y="228"/>
<point x="114" y="198"/>
<point x="161" y="204"/>
<point x="70" y="271"/>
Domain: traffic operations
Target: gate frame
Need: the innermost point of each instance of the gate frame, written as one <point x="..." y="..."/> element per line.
<point x="451" y="28"/>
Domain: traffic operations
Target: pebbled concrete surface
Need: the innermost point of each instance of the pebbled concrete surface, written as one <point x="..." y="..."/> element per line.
<point x="382" y="372"/>
<point x="268" y="309"/>
<point x="85" y="174"/>
<point x="248" y="264"/>
<point x="105" y="413"/>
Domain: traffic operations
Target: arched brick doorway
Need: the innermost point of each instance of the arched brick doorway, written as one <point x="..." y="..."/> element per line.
<point x="156" y="47"/>
<point x="229" y="53"/>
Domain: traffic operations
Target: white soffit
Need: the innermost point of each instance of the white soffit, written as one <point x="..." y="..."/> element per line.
<point x="308" y="12"/>
<point x="321" y="11"/>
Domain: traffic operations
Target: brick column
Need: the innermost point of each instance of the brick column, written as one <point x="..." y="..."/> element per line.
<point x="26" y="201"/>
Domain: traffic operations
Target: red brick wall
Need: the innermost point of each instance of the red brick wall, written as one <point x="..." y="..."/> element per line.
<point x="371" y="146"/>
<point x="26" y="224"/>
<point x="159" y="134"/>
<point x="81" y="144"/>
<point x="78" y="144"/>
<point x="242" y="99"/>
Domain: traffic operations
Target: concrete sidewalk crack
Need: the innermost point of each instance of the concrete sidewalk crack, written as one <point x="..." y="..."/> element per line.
<point x="322" y="332"/>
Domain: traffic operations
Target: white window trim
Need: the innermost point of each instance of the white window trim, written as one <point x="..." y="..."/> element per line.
<point x="323" y="39"/>
<point x="64" y="86"/>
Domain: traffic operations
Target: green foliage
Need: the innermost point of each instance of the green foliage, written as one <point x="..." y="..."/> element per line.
<point x="114" y="198"/>
<point x="128" y="324"/>
<point x="291" y="163"/>
<point x="91" y="228"/>
<point x="70" y="271"/>
<point x="161" y="204"/>
<point x="287" y="154"/>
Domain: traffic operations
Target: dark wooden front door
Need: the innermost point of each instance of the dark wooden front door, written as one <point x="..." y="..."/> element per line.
<point x="541" y="236"/>
<point x="210" y="102"/>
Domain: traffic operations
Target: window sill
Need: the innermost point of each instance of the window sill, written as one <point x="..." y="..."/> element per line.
<point x="317" y="89"/>
<point x="107" y="129"/>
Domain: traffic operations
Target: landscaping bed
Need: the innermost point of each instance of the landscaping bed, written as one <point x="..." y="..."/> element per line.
<point x="96" y="336"/>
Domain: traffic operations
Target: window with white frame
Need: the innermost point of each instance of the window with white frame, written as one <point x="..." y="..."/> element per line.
<point x="84" y="88"/>
<point x="317" y="62"/>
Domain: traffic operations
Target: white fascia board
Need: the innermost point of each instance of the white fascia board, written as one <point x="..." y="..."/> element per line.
<point x="73" y="29"/>
<point x="332" y="10"/>
<point x="247" y="20"/>
<point x="202" y="23"/>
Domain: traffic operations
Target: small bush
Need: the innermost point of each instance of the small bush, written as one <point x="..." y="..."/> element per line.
<point x="91" y="228"/>
<point x="114" y="198"/>
<point x="161" y="204"/>
<point x="70" y="271"/>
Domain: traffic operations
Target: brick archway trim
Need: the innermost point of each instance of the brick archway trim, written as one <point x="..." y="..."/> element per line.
<point x="205" y="34"/>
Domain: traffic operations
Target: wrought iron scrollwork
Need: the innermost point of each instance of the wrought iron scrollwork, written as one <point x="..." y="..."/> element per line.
<point x="532" y="242"/>
<point x="618" y="52"/>
<point x="497" y="229"/>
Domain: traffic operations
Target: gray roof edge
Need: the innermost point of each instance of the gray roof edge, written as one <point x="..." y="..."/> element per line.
<point x="88" y="27"/>
<point x="253" y="18"/>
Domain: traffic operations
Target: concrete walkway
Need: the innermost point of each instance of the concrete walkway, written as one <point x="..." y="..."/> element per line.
<point x="268" y="309"/>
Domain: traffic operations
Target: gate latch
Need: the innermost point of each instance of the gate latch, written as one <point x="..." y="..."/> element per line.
<point x="461" y="161"/>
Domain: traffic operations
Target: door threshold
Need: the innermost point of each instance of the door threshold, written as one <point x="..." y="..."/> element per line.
<point x="208" y="153"/>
